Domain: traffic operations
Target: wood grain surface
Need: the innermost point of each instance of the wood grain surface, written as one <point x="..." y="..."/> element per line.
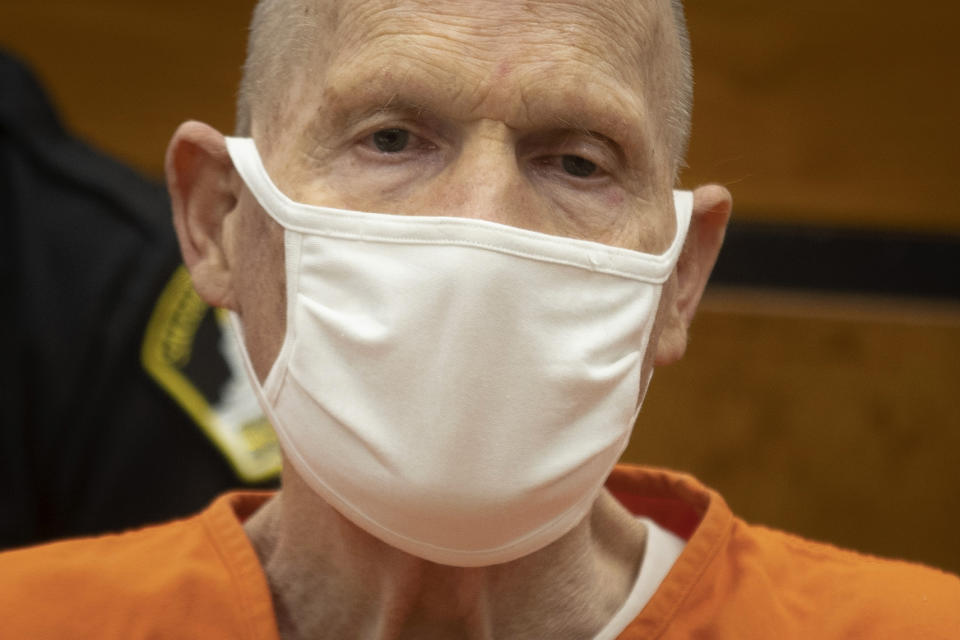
<point x="835" y="418"/>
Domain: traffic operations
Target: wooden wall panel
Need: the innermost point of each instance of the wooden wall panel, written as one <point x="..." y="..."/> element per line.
<point x="838" y="420"/>
<point x="829" y="111"/>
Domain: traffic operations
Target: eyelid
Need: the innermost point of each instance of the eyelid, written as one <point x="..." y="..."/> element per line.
<point x="604" y="169"/>
<point x="420" y="131"/>
<point x="416" y="120"/>
<point x="554" y="165"/>
<point x="593" y="149"/>
<point x="588" y="145"/>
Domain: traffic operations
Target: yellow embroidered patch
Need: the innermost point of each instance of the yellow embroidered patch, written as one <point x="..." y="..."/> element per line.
<point x="190" y="351"/>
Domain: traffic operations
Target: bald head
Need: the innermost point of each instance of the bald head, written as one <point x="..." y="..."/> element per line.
<point x="290" y="39"/>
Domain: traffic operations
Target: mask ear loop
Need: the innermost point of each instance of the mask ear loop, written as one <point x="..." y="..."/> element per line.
<point x="683" y="210"/>
<point x="246" y="160"/>
<point x="236" y="326"/>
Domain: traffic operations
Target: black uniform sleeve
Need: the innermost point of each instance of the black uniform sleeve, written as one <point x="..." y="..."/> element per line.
<point x="88" y="441"/>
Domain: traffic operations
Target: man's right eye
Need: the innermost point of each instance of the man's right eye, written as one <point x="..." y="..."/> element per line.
<point x="391" y="140"/>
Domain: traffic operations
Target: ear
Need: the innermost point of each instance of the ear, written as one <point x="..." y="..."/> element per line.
<point x="199" y="179"/>
<point x="712" y="205"/>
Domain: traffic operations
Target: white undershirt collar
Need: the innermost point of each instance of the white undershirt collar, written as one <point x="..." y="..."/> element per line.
<point x="662" y="550"/>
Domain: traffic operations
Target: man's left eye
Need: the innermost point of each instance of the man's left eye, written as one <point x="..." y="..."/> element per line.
<point x="579" y="167"/>
<point x="391" y="140"/>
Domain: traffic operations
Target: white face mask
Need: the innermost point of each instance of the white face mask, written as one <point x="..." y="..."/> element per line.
<point x="458" y="388"/>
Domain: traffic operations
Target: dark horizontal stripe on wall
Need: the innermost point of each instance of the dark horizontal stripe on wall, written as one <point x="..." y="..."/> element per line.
<point x="840" y="260"/>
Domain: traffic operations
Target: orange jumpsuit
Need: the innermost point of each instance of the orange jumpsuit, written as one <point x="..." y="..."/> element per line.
<point x="200" y="578"/>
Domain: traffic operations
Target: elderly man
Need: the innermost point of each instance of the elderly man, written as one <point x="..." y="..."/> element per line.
<point x="447" y="236"/>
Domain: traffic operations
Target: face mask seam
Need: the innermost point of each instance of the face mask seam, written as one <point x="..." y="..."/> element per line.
<point x="658" y="278"/>
<point x="432" y="223"/>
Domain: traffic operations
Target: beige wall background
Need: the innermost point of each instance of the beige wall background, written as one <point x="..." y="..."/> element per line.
<point x="837" y="417"/>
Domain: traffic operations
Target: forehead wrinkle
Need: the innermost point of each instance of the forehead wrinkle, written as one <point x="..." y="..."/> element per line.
<point x="352" y="93"/>
<point x="618" y="35"/>
<point x="549" y="93"/>
<point x="618" y="40"/>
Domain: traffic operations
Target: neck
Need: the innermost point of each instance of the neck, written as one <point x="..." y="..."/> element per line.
<point x="330" y="579"/>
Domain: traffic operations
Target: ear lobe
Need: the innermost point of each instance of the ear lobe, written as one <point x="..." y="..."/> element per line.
<point x="199" y="172"/>
<point x="712" y="205"/>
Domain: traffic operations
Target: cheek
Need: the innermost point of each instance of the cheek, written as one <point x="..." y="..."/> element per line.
<point x="261" y="289"/>
<point x="614" y="198"/>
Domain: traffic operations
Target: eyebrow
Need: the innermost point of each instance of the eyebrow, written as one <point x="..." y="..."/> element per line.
<point x="351" y="111"/>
